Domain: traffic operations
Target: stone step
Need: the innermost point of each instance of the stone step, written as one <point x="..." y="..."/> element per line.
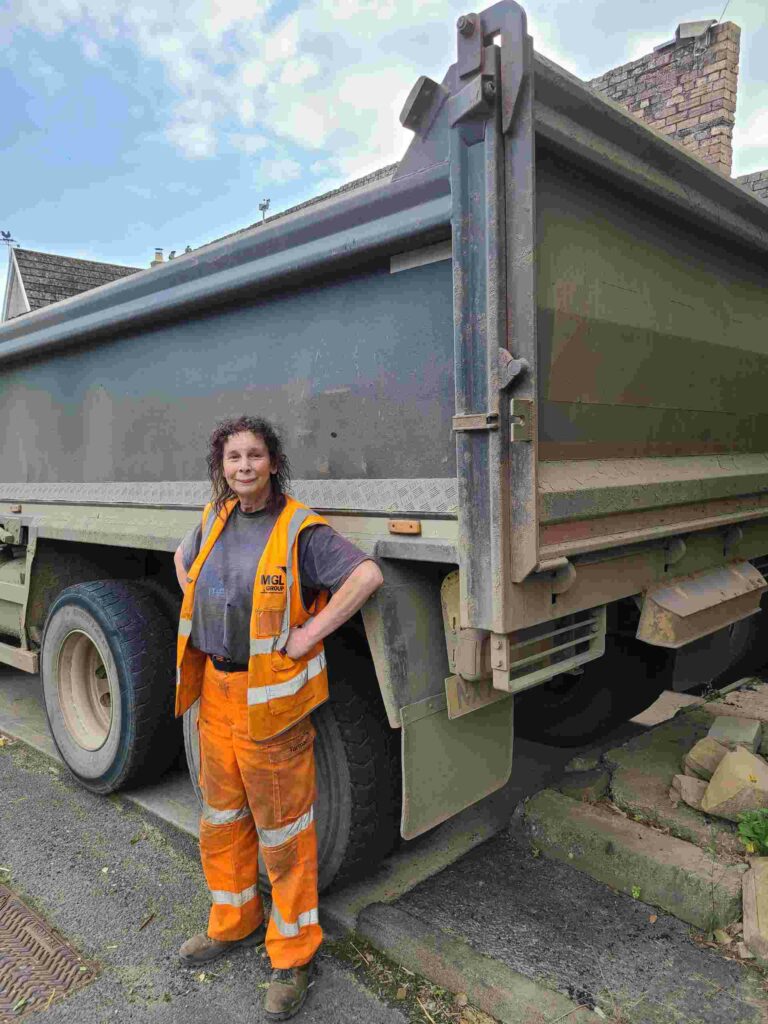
<point x="637" y="860"/>
<point x="641" y="775"/>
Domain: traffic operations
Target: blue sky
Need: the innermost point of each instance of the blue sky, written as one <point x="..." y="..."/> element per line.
<point x="165" y="123"/>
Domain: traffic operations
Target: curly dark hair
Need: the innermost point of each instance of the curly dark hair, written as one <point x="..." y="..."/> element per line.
<point x="271" y="438"/>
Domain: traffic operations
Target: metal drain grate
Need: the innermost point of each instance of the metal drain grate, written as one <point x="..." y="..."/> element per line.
<point x="36" y="965"/>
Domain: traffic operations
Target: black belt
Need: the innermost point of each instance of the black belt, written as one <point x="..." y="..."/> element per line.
<point x="225" y="665"/>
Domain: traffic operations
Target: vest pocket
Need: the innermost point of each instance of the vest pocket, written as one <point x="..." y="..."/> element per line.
<point x="288" y="690"/>
<point x="269" y="622"/>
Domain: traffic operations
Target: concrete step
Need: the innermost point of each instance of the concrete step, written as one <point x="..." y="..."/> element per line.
<point x="637" y="860"/>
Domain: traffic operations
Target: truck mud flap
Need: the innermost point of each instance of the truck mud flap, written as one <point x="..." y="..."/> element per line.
<point x="449" y="764"/>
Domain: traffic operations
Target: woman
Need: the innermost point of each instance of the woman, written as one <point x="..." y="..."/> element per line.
<point x="257" y="574"/>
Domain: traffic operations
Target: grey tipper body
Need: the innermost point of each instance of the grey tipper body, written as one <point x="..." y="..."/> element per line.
<point x="224" y="592"/>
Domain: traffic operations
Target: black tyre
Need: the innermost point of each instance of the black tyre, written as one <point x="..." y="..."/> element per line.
<point x="571" y="710"/>
<point x="357" y="810"/>
<point x="107" y="666"/>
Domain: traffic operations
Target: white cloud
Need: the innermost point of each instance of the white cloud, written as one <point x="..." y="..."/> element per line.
<point x="315" y="78"/>
<point x="195" y="139"/>
<point x="275" y="172"/>
<point x="298" y="71"/>
<point x="326" y="82"/>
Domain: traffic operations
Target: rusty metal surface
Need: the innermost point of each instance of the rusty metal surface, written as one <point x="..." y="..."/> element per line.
<point x="492" y="185"/>
<point x="464" y="697"/>
<point x="686" y="597"/>
<point x="664" y="629"/>
<point x="692" y="607"/>
<point x="589" y="537"/>
<point x="601" y="134"/>
<point x="631" y="303"/>
<point x="599" y="487"/>
<point x="37" y="966"/>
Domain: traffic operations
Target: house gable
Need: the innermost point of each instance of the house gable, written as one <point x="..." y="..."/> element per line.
<point x="15" y="300"/>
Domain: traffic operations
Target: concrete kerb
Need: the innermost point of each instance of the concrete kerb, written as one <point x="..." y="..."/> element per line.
<point x="687" y="863"/>
<point x="755" y="898"/>
<point x="641" y="775"/>
<point x="451" y="963"/>
<point x="637" y="860"/>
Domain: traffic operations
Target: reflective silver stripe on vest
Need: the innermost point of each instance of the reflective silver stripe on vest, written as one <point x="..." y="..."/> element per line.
<point x="278" y="836"/>
<point x="273" y="691"/>
<point x="178" y="677"/>
<point x="185" y="627"/>
<point x="290" y="929"/>
<point x="235" y="899"/>
<point x="267" y="645"/>
<point x="263" y="645"/>
<point x="299" y="516"/>
<point x="214" y="817"/>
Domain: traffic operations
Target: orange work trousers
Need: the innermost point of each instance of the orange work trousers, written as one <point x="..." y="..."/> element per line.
<point x="257" y="796"/>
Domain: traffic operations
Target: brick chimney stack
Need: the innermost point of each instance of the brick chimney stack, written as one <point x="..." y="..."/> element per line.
<point x="685" y="89"/>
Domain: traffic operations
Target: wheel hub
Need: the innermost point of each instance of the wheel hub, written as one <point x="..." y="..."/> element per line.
<point x="85" y="694"/>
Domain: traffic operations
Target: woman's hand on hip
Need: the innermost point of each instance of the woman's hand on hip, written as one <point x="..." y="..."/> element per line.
<point x="349" y="598"/>
<point x="299" y="643"/>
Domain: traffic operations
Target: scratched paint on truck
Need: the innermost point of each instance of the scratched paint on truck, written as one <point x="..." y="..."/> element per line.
<point x="652" y="334"/>
<point x="358" y="372"/>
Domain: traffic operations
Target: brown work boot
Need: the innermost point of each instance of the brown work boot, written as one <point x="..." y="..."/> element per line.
<point x="201" y="949"/>
<point x="287" y="991"/>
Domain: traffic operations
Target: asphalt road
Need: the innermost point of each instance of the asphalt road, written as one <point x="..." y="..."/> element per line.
<point x="96" y="869"/>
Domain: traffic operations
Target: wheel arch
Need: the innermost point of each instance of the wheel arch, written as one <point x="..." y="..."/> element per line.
<point x="58" y="564"/>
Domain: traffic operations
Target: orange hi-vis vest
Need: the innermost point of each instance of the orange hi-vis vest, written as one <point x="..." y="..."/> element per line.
<point x="281" y="691"/>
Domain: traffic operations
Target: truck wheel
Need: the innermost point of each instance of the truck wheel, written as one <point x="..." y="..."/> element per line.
<point x="357" y="810"/>
<point x="571" y="710"/>
<point x="107" y="666"/>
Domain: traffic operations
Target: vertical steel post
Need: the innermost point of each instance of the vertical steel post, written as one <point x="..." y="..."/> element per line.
<point x="492" y="183"/>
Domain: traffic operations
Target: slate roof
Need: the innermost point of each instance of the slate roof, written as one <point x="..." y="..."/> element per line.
<point x="351" y="186"/>
<point x="49" y="278"/>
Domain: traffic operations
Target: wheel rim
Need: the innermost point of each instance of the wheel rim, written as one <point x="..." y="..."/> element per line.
<point x="85" y="691"/>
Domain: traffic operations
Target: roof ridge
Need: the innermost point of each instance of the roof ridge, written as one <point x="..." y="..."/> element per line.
<point x="75" y="259"/>
<point x="348" y="186"/>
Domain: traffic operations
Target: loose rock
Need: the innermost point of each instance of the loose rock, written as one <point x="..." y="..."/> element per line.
<point x="703" y="759"/>
<point x="734" y="732"/>
<point x="687" y="788"/>
<point x="740" y="783"/>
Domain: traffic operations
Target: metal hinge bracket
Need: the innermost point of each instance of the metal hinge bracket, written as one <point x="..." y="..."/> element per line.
<point x="521" y="419"/>
<point x="477" y="421"/>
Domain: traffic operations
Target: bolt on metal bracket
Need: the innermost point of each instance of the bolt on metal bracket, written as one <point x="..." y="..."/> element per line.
<point x="521" y="416"/>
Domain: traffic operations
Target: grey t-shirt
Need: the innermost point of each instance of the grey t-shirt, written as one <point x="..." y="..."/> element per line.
<point x="224" y="591"/>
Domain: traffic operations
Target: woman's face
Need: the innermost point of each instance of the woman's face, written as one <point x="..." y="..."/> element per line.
<point x="247" y="469"/>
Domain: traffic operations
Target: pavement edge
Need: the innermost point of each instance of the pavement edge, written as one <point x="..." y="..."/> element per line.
<point x="451" y="963"/>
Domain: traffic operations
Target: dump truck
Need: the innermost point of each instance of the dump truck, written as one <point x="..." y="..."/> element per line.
<point x="524" y="368"/>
